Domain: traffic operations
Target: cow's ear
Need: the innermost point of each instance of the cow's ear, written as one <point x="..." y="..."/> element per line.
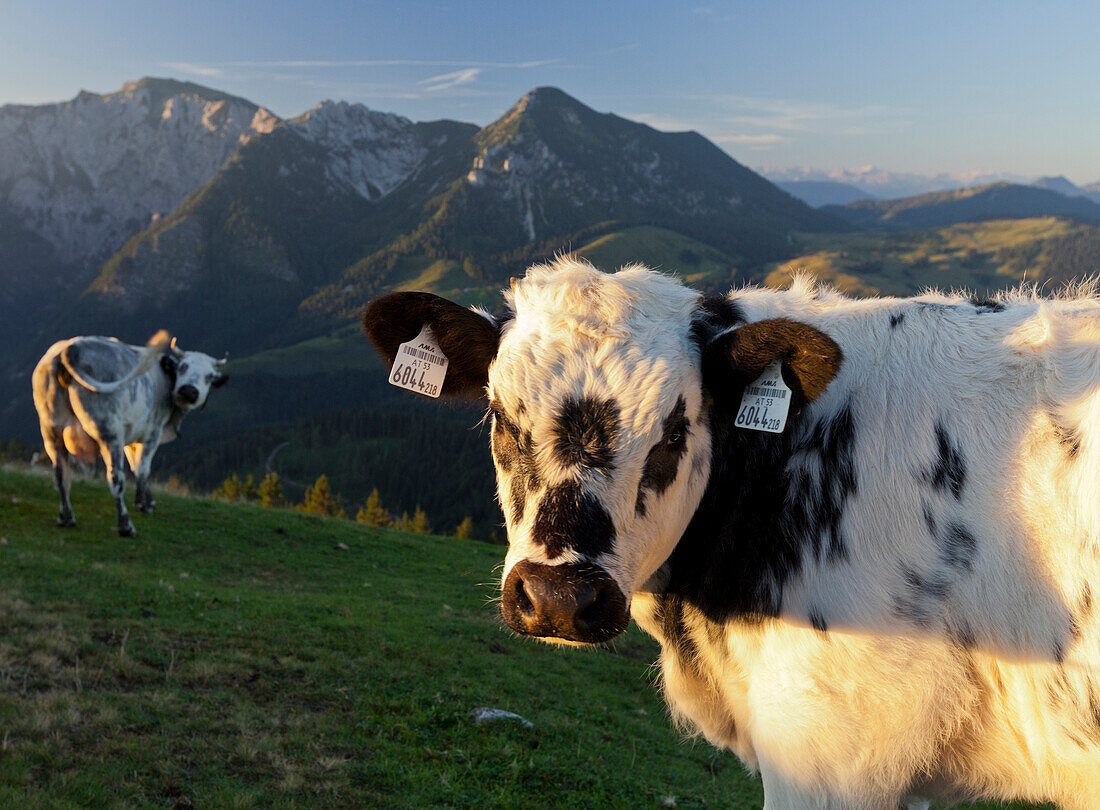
<point x="469" y="340"/>
<point x="169" y="364"/>
<point x="735" y="358"/>
<point x="219" y="381"/>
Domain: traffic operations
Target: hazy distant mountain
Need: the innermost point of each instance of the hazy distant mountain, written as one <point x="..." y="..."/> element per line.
<point x="884" y="184"/>
<point x="86" y="174"/>
<point x="1060" y="185"/>
<point x="824" y="192"/>
<point x="994" y="201"/>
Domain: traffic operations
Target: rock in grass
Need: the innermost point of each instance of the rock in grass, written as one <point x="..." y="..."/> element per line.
<point x="484" y="714"/>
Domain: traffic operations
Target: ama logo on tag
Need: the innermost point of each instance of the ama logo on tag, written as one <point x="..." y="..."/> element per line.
<point x="766" y="401"/>
<point x="420" y="365"/>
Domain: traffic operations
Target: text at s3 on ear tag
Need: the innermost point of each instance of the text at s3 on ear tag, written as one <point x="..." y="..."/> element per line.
<point x="420" y="365"/>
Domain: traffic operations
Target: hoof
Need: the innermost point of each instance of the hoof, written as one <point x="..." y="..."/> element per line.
<point x="127" y="531"/>
<point x="66" y="523"/>
<point x="146" y="508"/>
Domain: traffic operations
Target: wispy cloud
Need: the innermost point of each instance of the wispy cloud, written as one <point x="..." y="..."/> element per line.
<point x="448" y="81"/>
<point x="333" y="76"/>
<point x="352" y="63"/>
<point x="789" y="115"/>
<point x="194" y="69"/>
<point x="760" y="141"/>
<point x="662" y="122"/>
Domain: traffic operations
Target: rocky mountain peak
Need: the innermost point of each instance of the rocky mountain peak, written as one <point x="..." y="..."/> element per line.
<point x="87" y="173"/>
<point x="368" y="151"/>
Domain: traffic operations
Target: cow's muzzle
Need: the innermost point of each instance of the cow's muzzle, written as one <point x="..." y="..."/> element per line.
<point x="576" y="602"/>
<point x="187" y="395"/>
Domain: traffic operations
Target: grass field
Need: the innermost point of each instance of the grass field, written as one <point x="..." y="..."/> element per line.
<point x="979" y="256"/>
<point x="232" y="656"/>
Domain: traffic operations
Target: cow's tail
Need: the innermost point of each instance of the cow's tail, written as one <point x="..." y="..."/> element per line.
<point x="148" y="358"/>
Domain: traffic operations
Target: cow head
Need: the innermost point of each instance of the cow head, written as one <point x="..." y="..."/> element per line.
<point x="599" y="388"/>
<point x="192" y="375"/>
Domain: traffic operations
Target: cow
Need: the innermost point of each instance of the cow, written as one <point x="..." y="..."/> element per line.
<point x="889" y="600"/>
<point x="100" y="396"/>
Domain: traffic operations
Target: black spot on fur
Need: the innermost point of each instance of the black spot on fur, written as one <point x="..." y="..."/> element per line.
<point x="468" y="340"/>
<point x="772" y="499"/>
<point x="663" y="460"/>
<point x="958" y="547"/>
<point x="715" y="314"/>
<point x="922" y="595"/>
<point x="986" y="305"/>
<point x="670" y="618"/>
<point x="931" y="306"/>
<point x="569" y="517"/>
<point x="170" y="366"/>
<point x="964" y="636"/>
<point x="896" y="319"/>
<point x="1067" y="437"/>
<point x="817" y="621"/>
<point x="948" y="471"/>
<point x="1093" y="719"/>
<point x="929" y="519"/>
<point x="585" y="432"/>
<point x="512" y="452"/>
<point x="818" y="507"/>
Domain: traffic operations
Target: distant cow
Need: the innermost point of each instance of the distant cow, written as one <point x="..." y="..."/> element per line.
<point x="892" y="599"/>
<point x="97" y="395"/>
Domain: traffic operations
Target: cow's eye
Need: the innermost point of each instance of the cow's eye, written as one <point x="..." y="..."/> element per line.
<point x="675" y="438"/>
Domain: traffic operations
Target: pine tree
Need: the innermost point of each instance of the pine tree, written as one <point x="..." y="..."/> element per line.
<point x="230" y="490"/>
<point x="420" y="524"/>
<point x="373" y="513"/>
<point x="465" y="529"/>
<point x="248" y="489"/>
<point x="271" y="491"/>
<point x="319" y="500"/>
<point x="404" y="524"/>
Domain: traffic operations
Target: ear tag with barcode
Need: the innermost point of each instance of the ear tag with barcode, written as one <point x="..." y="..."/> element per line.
<point x="766" y="401"/>
<point x="420" y="365"/>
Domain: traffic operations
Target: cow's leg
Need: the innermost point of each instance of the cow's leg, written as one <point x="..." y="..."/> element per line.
<point x="116" y="479"/>
<point x="141" y="461"/>
<point x="62" y="474"/>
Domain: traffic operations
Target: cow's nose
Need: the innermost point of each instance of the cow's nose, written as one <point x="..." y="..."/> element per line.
<point x="570" y="601"/>
<point x="188" y="393"/>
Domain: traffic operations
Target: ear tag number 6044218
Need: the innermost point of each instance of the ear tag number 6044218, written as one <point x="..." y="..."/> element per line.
<point x="766" y="401"/>
<point x="420" y="365"/>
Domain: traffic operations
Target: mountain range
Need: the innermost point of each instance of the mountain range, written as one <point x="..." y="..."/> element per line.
<point x="171" y="205"/>
<point x="168" y="204"/>
<point x="842" y="186"/>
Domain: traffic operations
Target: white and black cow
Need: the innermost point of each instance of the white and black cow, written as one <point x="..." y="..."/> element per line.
<point x="890" y="600"/>
<point x="99" y="395"/>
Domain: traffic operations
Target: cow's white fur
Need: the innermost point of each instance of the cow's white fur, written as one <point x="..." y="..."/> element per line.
<point x="877" y="707"/>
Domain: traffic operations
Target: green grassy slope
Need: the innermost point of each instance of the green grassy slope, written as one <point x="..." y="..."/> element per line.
<point x="232" y="656"/>
<point x="984" y="257"/>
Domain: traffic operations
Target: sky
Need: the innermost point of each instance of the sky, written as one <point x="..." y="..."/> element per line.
<point x="923" y="87"/>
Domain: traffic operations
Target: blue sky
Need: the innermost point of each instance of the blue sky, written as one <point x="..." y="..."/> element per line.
<point x="923" y="87"/>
